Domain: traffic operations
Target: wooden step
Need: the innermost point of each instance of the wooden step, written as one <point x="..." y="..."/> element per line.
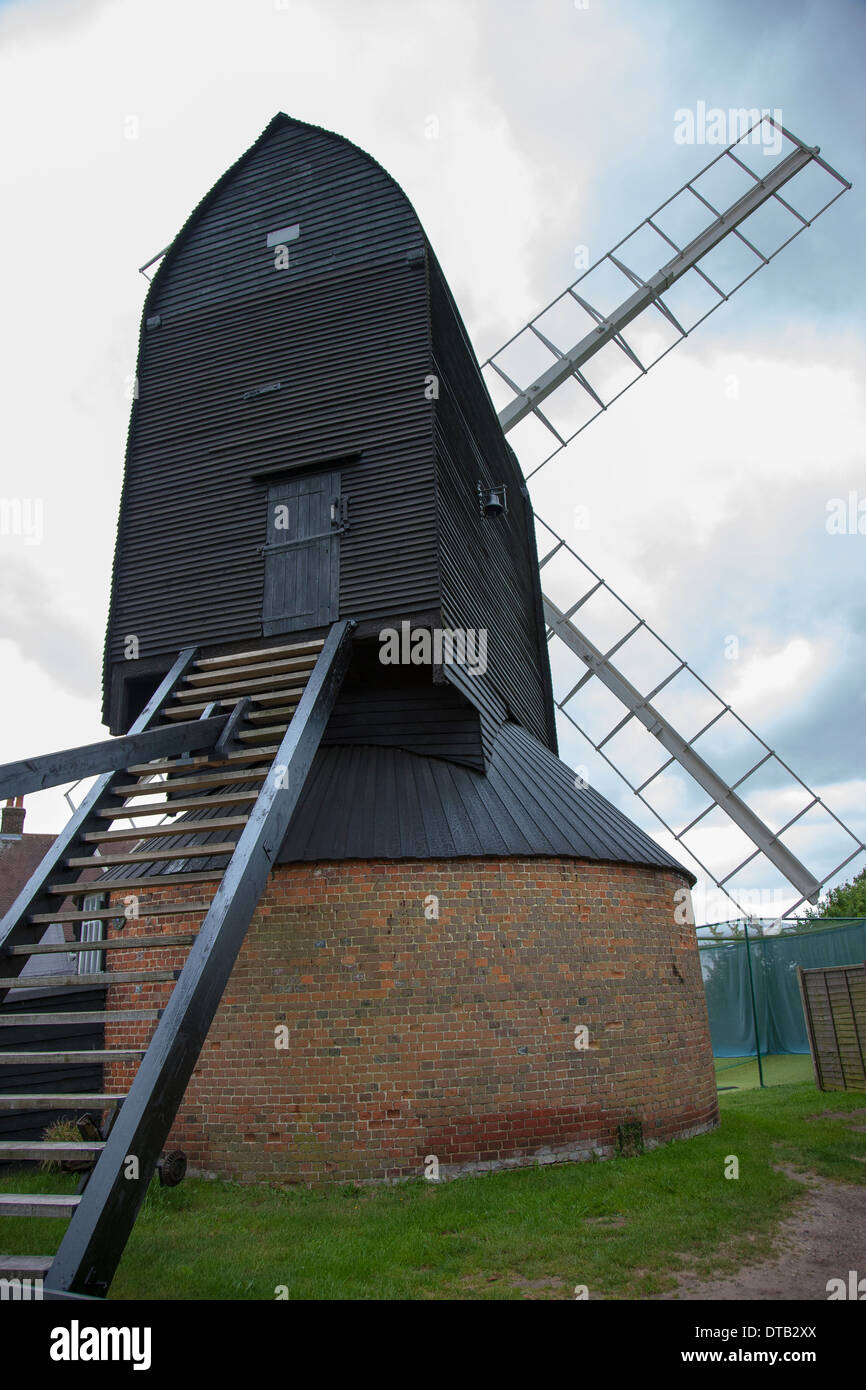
<point x="174" y="765"/>
<point x="71" y="1059"/>
<point x="115" y="914"/>
<point x="150" y="832"/>
<point x="289" y="697"/>
<point x="25" y="1266"/>
<point x="281" y="712"/>
<point x="149" y="856"/>
<point x="20" y="1149"/>
<point x="112" y="943"/>
<point x="64" y="1020"/>
<point x="173" y="808"/>
<point x="245" y="687"/>
<point x="193" y="784"/>
<point x="121" y="885"/>
<point x="186" y="712"/>
<point x="105" y="977"/>
<point x="37" y="1204"/>
<point x="287" y="666"/>
<point x="109" y="914"/>
<point x="61" y="1100"/>
<point x="255" y="735"/>
<point x="211" y="663"/>
<point x="274" y="697"/>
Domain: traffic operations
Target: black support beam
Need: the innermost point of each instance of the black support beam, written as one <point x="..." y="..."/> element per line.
<point x="56" y="769"/>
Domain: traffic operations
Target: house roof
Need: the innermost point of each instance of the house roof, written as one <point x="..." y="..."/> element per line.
<point x="19" y="856"/>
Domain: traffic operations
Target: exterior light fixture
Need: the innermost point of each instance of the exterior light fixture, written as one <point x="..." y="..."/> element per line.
<point x="492" y="501"/>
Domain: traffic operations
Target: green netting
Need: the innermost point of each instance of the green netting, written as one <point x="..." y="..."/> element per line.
<point x="778" y="1007"/>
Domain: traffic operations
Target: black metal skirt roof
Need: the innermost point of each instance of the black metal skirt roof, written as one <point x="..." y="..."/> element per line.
<point x="373" y="802"/>
<point x="385" y="803"/>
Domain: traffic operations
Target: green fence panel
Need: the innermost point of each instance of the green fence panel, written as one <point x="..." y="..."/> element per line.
<point x="779" y="1009"/>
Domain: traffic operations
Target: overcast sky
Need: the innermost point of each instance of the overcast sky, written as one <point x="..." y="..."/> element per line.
<point x="519" y="131"/>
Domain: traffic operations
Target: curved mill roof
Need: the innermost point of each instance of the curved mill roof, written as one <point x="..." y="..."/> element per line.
<point x="371" y="802"/>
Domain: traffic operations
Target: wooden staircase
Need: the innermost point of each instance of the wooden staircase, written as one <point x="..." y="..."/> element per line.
<point x="214" y="821"/>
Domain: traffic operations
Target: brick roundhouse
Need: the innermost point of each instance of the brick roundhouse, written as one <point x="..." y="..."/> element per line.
<point x="409" y="1037"/>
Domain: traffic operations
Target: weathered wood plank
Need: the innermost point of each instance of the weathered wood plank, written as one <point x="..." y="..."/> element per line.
<point x="104" y="977"/>
<point x="149" y="855"/>
<point x="17" y="1148"/>
<point x="181" y="783"/>
<point x="173" y="765"/>
<point x="73" y="1059"/>
<point x="124" y="885"/>
<point x="236" y="688"/>
<point x="150" y="832"/>
<point x="24" y="1266"/>
<point x="37" y="1204"/>
<point x="112" y="914"/>
<point x="176" y="806"/>
<point x="207" y="663"/>
<point x="256" y="735"/>
<point x="66" y="1019"/>
<point x="62" y="1100"/>
<point x="111" y="943"/>
<point x="301" y="665"/>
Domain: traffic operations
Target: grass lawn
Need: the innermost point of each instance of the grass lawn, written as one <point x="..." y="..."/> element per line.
<point x="619" y="1227"/>
<point x="741" y="1073"/>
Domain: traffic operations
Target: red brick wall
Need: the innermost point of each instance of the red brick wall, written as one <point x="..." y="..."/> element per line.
<point x="410" y="1036"/>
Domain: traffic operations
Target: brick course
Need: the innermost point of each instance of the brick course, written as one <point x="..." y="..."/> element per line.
<point x="411" y="1035"/>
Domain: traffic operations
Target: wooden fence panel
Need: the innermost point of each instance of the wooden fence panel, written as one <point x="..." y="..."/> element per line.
<point x="834" y="1004"/>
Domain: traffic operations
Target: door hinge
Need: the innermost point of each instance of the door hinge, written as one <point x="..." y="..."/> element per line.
<point x="340" y="514"/>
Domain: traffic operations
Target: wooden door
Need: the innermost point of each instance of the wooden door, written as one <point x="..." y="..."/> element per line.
<point x="302" y="556"/>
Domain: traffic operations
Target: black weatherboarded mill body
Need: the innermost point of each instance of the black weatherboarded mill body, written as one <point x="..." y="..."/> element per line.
<point x="308" y="441"/>
<point x="302" y="362"/>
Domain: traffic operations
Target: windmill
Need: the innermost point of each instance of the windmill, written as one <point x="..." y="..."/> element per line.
<point x="321" y="527"/>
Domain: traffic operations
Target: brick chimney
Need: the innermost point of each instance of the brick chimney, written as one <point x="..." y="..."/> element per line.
<point x="12" y="817"/>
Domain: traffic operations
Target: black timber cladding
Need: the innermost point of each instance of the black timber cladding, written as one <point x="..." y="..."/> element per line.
<point x="401" y="707"/>
<point x="251" y="373"/>
<point x="489" y="568"/>
<point x="345" y="333"/>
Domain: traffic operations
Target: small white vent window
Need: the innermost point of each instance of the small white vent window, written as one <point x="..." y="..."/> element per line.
<point x="284" y="235"/>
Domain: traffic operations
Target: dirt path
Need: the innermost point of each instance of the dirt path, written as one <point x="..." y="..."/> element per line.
<point x="823" y="1240"/>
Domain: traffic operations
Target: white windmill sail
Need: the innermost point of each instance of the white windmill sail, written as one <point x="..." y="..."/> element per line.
<point x="761" y="795"/>
<point x="575" y="355"/>
<point x="575" y="358"/>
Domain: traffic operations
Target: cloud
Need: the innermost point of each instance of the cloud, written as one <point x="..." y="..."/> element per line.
<point x="26" y="18"/>
<point x="772" y="676"/>
<point x="33" y="618"/>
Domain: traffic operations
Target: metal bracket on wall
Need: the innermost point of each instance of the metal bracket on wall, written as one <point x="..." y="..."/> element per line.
<point x="340" y="514"/>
